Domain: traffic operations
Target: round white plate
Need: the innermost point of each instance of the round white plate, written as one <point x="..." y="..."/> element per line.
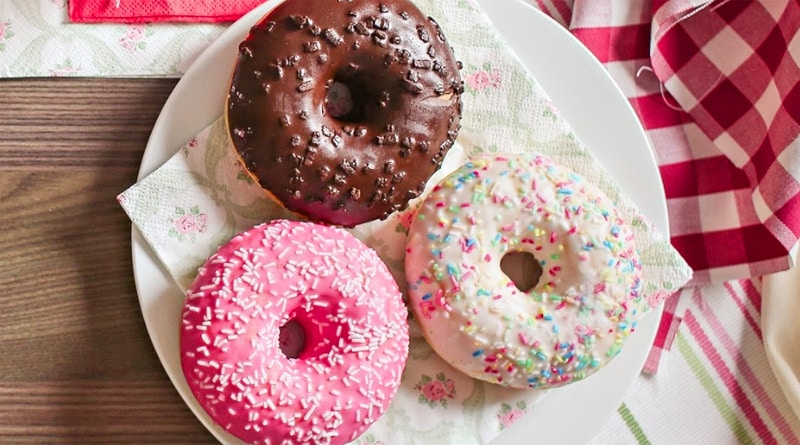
<point x="586" y="97"/>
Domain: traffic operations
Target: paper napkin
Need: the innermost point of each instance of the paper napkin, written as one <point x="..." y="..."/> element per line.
<point x="37" y="38"/>
<point x="200" y="197"/>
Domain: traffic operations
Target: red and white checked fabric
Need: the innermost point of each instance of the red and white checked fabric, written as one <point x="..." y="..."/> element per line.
<point x="733" y="67"/>
<point x="716" y="86"/>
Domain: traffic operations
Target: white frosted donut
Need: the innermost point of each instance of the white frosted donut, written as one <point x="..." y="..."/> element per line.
<point x="572" y="322"/>
<point x="294" y="333"/>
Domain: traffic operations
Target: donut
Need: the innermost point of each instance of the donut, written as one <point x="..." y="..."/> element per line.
<point x="567" y="325"/>
<point x="294" y="333"/>
<point x="342" y="110"/>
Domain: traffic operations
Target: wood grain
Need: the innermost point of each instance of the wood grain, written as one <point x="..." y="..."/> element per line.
<point x="77" y="365"/>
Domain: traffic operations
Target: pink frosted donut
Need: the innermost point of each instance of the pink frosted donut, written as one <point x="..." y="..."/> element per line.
<point x="294" y="333"/>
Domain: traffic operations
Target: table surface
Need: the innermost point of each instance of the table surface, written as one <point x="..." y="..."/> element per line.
<point x="78" y="366"/>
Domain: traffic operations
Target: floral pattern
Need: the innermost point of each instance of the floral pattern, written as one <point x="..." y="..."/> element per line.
<point x="509" y="414"/>
<point x="339" y="100"/>
<point x="100" y="49"/>
<point x="5" y="33"/>
<point x="435" y="391"/>
<point x="482" y="79"/>
<point x="241" y="175"/>
<point x="187" y="224"/>
<point x="193" y="142"/>
<point x="134" y="38"/>
<point x="65" y="68"/>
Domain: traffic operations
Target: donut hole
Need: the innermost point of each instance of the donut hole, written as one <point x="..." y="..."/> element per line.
<point x="307" y="335"/>
<point x="292" y="338"/>
<point x="348" y="100"/>
<point x="522" y="268"/>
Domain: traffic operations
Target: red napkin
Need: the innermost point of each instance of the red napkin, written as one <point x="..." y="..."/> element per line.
<point x="717" y="87"/>
<point x="733" y="67"/>
<point x="142" y="11"/>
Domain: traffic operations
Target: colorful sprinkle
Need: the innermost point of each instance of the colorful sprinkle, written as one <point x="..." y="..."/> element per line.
<point x="501" y="204"/>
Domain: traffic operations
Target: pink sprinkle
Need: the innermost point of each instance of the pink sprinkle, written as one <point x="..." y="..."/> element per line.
<point x="523" y="339"/>
<point x="471" y="220"/>
<point x="487" y="258"/>
<point x="507" y="227"/>
<point x="465" y="248"/>
<point x="599" y="287"/>
<point x="439" y="204"/>
<point x="440" y="298"/>
<point x="465" y="205"/>
<point x="561" y="305"/>
<point x="497" y="297"/>
<point x="552" y="237"/>
<point x="572" y="230"/>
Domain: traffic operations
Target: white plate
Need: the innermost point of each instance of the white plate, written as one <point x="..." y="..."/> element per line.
<point x="587" y="98"/>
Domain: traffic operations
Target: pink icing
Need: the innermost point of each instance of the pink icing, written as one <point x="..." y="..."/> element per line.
<point x="352" y="315"/>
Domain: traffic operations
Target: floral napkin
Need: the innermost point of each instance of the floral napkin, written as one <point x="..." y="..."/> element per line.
<point x="38" y="39"/>
<point x="200" y="197"/>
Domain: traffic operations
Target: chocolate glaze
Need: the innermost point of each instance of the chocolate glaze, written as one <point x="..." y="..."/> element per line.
<point x="405" y="85"/>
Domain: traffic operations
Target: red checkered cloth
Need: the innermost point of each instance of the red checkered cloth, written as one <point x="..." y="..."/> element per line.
<point x="716" y="85"/>
<point x="144" y="11"/>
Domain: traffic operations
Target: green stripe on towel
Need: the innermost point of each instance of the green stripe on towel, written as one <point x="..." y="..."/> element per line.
<point x="714" y="393"/>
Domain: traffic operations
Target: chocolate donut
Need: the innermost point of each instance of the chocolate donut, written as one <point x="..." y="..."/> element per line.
<point x="343" y="110"/>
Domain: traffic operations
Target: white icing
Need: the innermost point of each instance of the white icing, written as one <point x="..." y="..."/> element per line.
<point x="569" y="324"/>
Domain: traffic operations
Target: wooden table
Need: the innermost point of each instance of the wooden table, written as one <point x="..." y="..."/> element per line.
<point x="77" y="365"/>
